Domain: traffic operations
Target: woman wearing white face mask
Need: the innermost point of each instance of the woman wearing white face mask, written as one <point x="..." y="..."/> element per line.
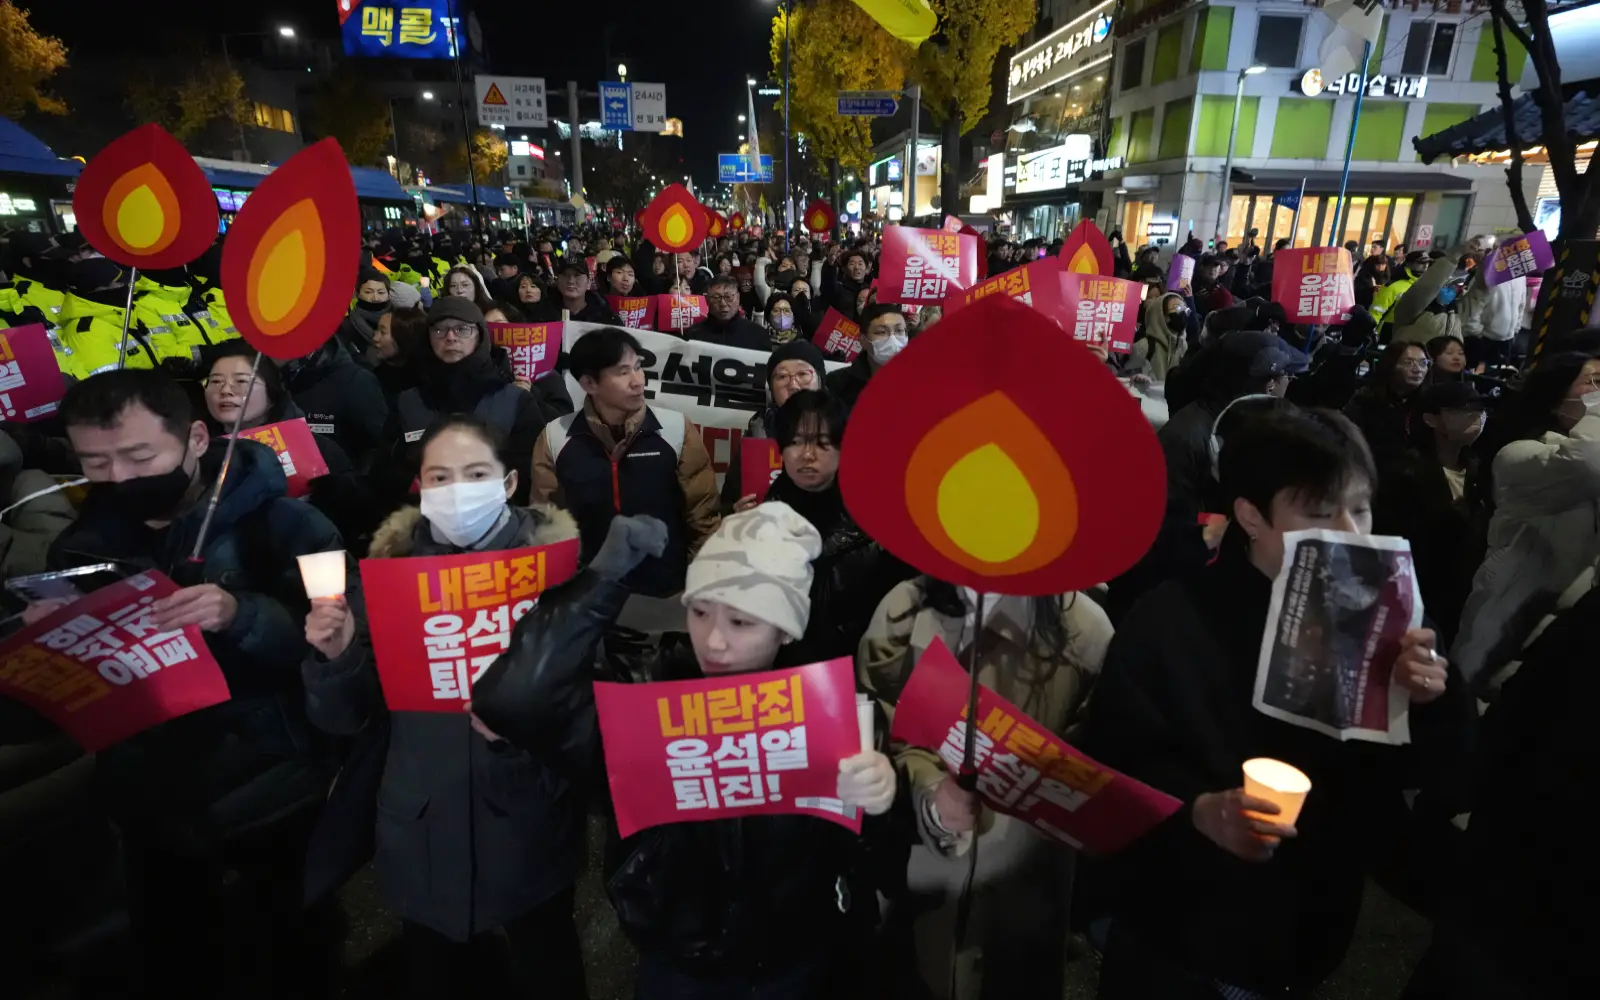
<point x="883" y="335"/>
<point x="1544" y="487"/>
<point x="473" y="836"/>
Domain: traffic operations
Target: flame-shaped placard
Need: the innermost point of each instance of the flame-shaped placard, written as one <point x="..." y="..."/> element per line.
<point x="674" y="221"/>
<point x="143" y="201"/>
<point x="290" y="260"/>
<point x="819" y="217"/>
<point x="736" y="221"/>
<point x="716" y="225"/>
<point x="1087" y="251"/>
<point x="1027" y="469"/>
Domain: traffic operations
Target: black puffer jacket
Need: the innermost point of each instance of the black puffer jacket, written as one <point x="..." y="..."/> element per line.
<point x="722" y="895"/>
<point x="340" y="398"/>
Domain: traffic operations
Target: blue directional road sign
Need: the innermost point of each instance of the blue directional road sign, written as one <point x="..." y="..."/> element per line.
<point x="743" y="168"/>
<point x="616" y="106"/>
<point x="868" y="103"/>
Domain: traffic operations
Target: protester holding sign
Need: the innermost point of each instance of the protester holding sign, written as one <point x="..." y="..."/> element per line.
<point x="230" y="788"/>
<point x="1173" y="709"/>
<point x="473" y="836"/>
<point x="1428" y="306"/>
<point x="791" y="368"/>
<point x="883" y="335"/>
<point x="762" y="905"/>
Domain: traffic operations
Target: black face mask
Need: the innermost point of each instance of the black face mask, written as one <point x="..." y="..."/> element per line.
<point x="372" y="308"/>
<point x="148" y="498"/>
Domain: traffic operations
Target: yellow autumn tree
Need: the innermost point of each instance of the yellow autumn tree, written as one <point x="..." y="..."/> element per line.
<point x="27" y="60"/>
<point x="834" y="46"/>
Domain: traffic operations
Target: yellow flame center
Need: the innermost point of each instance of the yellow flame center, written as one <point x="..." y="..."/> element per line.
<point x="285" y="269"/>
<point x="140" y="220"/>
<point x="1083" y="261"/>
<point x="675" y="225"/>
<point x="987" y="506"/>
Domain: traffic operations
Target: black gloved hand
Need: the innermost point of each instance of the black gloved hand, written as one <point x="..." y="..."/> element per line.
<point x="628" y="541"/>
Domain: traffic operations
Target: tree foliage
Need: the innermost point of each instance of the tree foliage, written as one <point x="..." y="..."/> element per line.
<point x="955" y="75"/>
<point x="27" y="60"/>
<point x="349" y="110"/>
<point x="835" y="46"/>
<point x="619" y="178"/>
<point x="489" y="154"/>
<point x="203" y="93"/>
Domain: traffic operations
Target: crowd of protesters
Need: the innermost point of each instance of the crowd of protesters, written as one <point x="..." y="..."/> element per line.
<point x="1423" y="415"/>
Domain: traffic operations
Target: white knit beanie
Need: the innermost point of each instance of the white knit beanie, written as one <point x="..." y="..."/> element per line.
<point x="759" y="562"/>
<point x="403" y="295"/>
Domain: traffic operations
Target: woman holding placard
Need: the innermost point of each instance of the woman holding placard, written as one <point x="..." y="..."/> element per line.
<point x="1241" y="892"/>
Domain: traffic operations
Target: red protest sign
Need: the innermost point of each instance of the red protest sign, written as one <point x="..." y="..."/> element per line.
<point x="1313" y="284"/>
<point x="31" y="385"/>
<point x="534" y="347"/>
<point x="760" y="461"/>
<point x="101" y="670"/>
<point x="837" y="335"/>
<point x="1037" y="285"/>
<point x="1024" y="770"/>
<point x="925" y="266"/>
<point x="446" y="618"/>
<point x="719" y="747"/>
<point x="676" y="313"/>
<point x="297" y="450"/>
<point x="636" y="311"/>
<point x="1103" y="311"/>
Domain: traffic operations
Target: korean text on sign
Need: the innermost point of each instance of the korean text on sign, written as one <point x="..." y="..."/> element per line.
<point x="1024" y="770"/>
<point x="685" y="374"/>
<point x="636" y="311"/>
<point x="1036" y="285"/>
<point x="837" y="336"/>
<point x="446" y="618"/>
<point x="1101" y="311"/>
<point x="419" y="29"/>
<point x="1313" y="284"/>
<point x="534" y="347"/>
<point x="676" y="313"/>
<point x="297" y="451"/>
<point x="31" y="385"/>
<point x="925" y="266"/>
<point x="1522" y="256"/>
<point x="766" y="743"/>
<point x="103" y="671"/>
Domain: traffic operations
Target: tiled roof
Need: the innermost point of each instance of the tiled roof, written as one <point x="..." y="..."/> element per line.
<point x="1487" y="132"/>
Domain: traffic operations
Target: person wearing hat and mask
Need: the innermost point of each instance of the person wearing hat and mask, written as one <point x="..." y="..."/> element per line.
<point x="371" y="301"/>
<point x="28" y="258"/>
<point x="1384" y="297"/>
<point x="573" y="297"/>
<point x="341" y="399"/>
<point x="792" y="367"/>
<point x="771" y="906"/>
<point x="91" y="318"/>
<point x="1428" y="308"/>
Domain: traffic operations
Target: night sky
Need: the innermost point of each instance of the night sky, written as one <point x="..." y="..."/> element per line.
<point x="702" y="50"/>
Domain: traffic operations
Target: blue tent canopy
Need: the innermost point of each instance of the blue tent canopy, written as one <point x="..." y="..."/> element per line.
<point x="489" y="197"/>
<point x="378" y="185"/>
<point x="21" y="152"/>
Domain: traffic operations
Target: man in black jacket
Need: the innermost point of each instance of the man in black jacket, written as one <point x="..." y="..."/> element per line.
<point x="724" y="325"/>
<point x="340" y="398"/>
<point x="573" y="295"/>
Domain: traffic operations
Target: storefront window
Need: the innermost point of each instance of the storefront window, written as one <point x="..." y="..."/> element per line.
<point x="1399" y="219"/>
<point x="1136" y="223"/>
<point x="1354" y="220"/>
<point x="1071" y="107"/>
<point x="1306" y="234"/>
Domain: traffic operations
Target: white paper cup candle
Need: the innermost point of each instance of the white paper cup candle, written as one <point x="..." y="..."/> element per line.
<point x="864" y="719"/>
<point x="323" y="574"/>
<point x="1278" y="783"/>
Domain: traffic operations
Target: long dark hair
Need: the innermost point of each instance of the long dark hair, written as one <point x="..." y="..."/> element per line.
<point x="268" y="377"/>
<point x="1381" y="382"/>
<point x="1526" y="414"/>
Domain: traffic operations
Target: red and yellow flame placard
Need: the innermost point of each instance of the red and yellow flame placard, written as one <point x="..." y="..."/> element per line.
<point x="716" y="224"/>
<point x="290" y="259"/>
<point x="819" y="217"/>
<point x="1087" y="251"/>
<point x="736" y="221"/>
<point x="144" y="202"/>
<point x="1028" y="469"/>
<point x="674" y="221"/>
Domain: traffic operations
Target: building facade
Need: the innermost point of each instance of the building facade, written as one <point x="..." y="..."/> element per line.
<point x="1182" y="69"/>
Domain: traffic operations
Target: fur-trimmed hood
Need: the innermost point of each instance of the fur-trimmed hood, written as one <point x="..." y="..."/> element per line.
<point x="543" y="524"/>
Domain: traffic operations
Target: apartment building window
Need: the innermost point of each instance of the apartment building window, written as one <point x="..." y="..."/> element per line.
<point x="1278" y="41"/>
<point x="276" y="119"/>
<point x="1428" y="48"/>
<point x="1133" y="65"/>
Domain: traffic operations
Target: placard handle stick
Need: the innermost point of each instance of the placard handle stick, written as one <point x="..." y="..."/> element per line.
<point x="127" y="315"/>
<point x="227" y="463"/>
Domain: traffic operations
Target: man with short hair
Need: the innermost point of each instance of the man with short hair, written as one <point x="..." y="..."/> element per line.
<point x="842" y="285"/>
<point x="723" y="324"/>
<point x="574" y="296"/>
<point x="234" y="788"/>
<point x="506" y="267"/>
<point x="618" y="455"/>
<point x="883" y="335"/>
<point x="619" y="277"/>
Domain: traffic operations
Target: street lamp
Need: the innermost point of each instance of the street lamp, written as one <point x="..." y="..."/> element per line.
<point x="741" y="117"/>
<point x="622" y="71"/>
<point x="286" y="30"/>
<point x="427" y="95"/>
<point x="1227" y="169"/>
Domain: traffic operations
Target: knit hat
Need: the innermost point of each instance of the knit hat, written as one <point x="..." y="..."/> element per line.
<point x="759" y="562"/>
<point x="404" y="295"/>
<point x="455" y="307"/>
<point x="798" y="350"/>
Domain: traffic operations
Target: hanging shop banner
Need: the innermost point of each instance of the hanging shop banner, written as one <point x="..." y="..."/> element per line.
<point x="1521" y="256"/>
<point x="634" y="310"/>
<point x="446" y="618"/>
<point x="837" y="336"/>
<point x="297" y="451"/>
<point x="925" y="266"/>
<point x="1180" y="273"/>
<point x="534" y="347"/>
<point x="715" y="748"/>
<point x="398" y="29"/>
<point x="676" y="313"/>
<point x="1080" y="44"/>
<point x="101" y="670"/>
<point x="1024" y="770"/>
<point x="31" y="385"/>
<point x="1101" y="311"/>
<point x="760" y="461"/>
<point x="1313" y="284"/>
<point x="1037" y="285"/>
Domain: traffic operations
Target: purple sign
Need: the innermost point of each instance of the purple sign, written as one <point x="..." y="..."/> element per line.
<point x="1181" y="273"/>
<point x="1523" y="256"/>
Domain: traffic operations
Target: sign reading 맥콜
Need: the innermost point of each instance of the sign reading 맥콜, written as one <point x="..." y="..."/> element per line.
<point x="760" y="745"/>
<point x="837" y="336"/>
<point x="1101" y="311"/>
<point x="925" y="266"/>
<point x="760" y="461"/>
<point x="31" y="385"/>
<point x="446" y="618"/>
<point x="1519" y="256"/>
<point x="297" y="451"/>
<point x="1083" y="42"/>
<point x="1313" y="284"/>
<point x="398" y="29"/>
<point x="102" y="671"/>
<point x="516" y="101"/>
<point x="533" y="347"/>
<point x="1024" y="770"/>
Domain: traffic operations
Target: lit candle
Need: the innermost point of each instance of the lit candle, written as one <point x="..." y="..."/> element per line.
<point x="1278" y="783"/>
<point x="864" y="719"/>
<point x="323" y="574"/>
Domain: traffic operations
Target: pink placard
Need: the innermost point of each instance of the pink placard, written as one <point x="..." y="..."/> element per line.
<point x="676" y="313"/>
<point x="760" y="461"/>
<point x="102" y="671"/>
<point x="31" y="385"/>
<point x="297" y="451"/>
<point x="1099" y="310"/>
<point x="1313" y="284"/>
<point x="1524" y="256"/>
<point x="534" y="347"/>
<point x="758" y="744"/>
<point x="925" y="266"/>
<point x="837" y="335"/>
<point x="1037" y="285"/>
<point x="636" y="311"/>
<point x="1024" y="770"/>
